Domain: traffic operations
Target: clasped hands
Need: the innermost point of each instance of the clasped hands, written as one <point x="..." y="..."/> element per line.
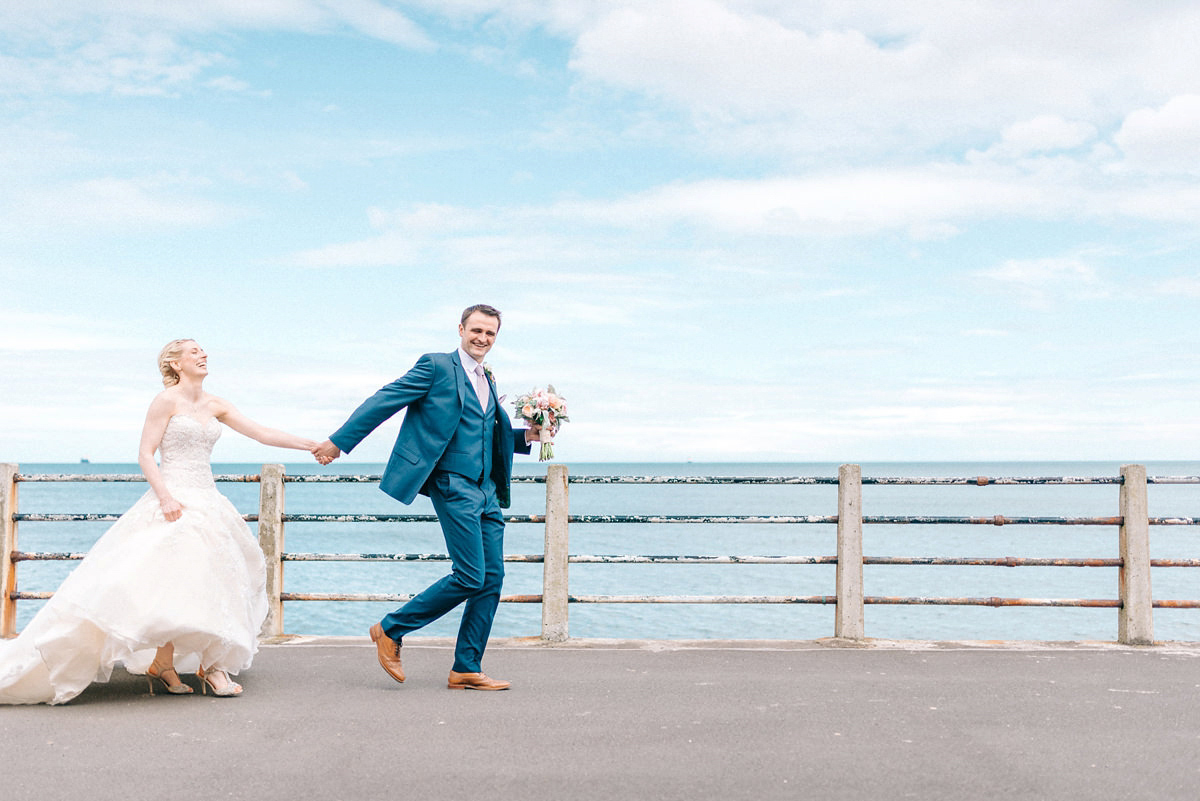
<point x="325" y="452"/>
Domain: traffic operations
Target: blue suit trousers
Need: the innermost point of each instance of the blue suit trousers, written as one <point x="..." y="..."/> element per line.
<point x="473" y="526"/>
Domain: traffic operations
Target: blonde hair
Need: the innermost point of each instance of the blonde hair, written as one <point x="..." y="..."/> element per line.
<point x="170" y="352"/>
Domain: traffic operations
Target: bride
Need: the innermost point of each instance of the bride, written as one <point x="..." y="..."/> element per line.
<point x="178" y="577"/>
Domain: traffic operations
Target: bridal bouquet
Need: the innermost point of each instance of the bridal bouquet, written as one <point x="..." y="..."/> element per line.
<point x="546" y="408"/>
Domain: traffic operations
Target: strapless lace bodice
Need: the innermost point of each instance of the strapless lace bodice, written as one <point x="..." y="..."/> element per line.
<point x="186" y="449"/>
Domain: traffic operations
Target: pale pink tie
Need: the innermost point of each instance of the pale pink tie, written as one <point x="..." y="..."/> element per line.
<point x="481" y="387"/>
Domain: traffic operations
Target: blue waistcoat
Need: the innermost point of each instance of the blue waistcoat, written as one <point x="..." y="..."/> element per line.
<point x="469" y="452"/>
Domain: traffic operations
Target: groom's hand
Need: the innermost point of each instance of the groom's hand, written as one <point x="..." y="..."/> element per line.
<point x="326" y="452"/>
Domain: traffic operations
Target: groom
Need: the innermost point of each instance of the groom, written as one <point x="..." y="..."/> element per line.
<point x="456" y="446"/>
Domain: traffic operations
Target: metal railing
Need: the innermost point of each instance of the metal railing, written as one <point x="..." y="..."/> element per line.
<point x="1134" y="602"/>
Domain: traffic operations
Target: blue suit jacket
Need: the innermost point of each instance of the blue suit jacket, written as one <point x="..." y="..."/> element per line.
<point x="433" y="392"/>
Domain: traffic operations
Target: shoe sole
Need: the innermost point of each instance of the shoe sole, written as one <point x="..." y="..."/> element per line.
<point x="473" y="687"/>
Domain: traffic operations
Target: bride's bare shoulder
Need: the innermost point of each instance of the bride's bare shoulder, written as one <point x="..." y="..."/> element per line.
<point x="217" y="404"/>
<point x="165" y="401"/>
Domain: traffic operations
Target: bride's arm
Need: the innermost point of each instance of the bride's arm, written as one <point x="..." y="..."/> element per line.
<point x="157" y="418"/>
<point x="230" y="416"/>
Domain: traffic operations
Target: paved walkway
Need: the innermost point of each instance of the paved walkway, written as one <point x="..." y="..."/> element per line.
<point x="647" y="720"/>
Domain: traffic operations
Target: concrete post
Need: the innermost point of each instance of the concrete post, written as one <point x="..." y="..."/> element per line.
<point x="555" y="564"/>
<point x="849" y="624"/>
<point x="8" y="544"/>
<point x="270" y="539"/>
<point x="1135" y="623"/>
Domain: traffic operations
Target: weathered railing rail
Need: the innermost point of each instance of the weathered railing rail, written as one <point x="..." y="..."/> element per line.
<point x="1134" y="600"/>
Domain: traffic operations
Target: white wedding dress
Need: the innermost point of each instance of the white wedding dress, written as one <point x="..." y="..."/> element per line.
<point x="198" y="582"/>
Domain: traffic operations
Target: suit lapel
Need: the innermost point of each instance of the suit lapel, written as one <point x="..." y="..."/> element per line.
<point x="460" y="376"/>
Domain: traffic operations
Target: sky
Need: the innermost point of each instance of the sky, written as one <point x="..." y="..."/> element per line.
<point x="725" y="230"/>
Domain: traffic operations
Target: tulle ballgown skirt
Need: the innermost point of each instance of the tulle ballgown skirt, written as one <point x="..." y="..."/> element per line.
<point x="197" y="582"/>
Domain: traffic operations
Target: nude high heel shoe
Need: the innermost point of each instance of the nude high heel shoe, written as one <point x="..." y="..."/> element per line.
<point x="154" y="672"/>
<point x="230" y="690"/>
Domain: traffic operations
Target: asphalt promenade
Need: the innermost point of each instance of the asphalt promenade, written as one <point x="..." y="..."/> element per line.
<point x="637" y="720"/>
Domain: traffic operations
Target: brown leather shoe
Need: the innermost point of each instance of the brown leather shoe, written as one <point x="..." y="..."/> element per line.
<point x="475" y="681"/>
<point x="388" y="651"/>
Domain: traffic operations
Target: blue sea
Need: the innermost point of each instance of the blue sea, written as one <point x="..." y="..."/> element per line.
<point x="688" y="621"/>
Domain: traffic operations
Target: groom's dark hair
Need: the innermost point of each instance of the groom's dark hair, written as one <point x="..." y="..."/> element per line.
<point x="482" y="308"/>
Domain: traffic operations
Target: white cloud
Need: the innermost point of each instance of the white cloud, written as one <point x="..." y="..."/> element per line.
<point x="842" y="203"/>
<point x="53" y="18"/>
<point x="1040" y="282"/>
<point x="926" y="416"/>
<point x="1187" y="286"/>
<point x="929" y="203"/>
<point x="864" y="78"/>
<point x="35" y="331"/>
<point x="716" y="60"/>
<point x="371" y="18"/>
<point x="137" y="47"/>
<point x="1173" y="199"/>
<point x="388" y="249"/>
<point x="1042" y="134"/>
<point x="157" y="200"/>
<point x="294" y="182"/>
<point x="117" y="61"/>
<point x="227" y="83"/>
<point x="1164" y="139"/>
<point x="427" y="217"/>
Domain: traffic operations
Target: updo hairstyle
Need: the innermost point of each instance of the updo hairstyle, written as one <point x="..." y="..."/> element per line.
<point x="170" y="352"/>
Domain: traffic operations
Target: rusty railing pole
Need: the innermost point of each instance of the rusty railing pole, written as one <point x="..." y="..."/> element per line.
<point x="555" y="564"/>
<point x="270" y="539"/>
<point x="849" y="621"/>
<point x="8" y="544"/>
<point x="1135" y="620"/>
